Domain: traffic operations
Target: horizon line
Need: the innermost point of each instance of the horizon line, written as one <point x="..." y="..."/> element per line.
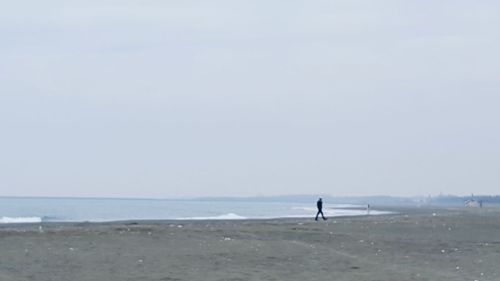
<point x="235" y="197"/>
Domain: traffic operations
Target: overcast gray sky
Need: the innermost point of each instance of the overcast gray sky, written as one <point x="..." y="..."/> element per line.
<point x="157" y="98"/>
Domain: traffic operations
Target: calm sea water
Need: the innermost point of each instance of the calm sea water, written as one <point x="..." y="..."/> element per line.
<point x="23" y="210"/>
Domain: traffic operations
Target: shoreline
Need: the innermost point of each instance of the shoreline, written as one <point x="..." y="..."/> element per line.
<point x="160" y="221"/>
<point x="332" y="212"/>
<point x="414" y="244"/>
<point x="389" y="210"/>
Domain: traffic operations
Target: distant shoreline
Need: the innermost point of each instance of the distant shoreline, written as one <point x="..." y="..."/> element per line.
<point x="373" y="199"/>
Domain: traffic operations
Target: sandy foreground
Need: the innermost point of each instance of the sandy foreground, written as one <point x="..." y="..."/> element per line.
<point x="415" y="244"/>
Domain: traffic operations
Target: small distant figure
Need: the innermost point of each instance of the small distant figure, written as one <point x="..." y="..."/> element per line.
<point x="319" y="204"/>
<point x="480" y="203"/>
<point x="368" y="209"/>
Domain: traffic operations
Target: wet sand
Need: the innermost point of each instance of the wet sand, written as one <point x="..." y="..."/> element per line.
<point x="415" y="244"/>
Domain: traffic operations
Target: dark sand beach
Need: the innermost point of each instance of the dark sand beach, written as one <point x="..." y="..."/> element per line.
<point x="414" y="244"/>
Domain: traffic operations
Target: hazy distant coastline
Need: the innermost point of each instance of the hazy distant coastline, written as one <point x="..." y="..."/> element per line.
<point x="308" y="198"/>
<point x="374" y="200"/>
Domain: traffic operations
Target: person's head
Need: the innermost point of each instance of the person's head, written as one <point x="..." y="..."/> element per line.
<point x="320" y="199"/>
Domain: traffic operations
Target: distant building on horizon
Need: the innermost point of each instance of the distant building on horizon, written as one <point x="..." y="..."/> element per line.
<point x="473" y="203"/>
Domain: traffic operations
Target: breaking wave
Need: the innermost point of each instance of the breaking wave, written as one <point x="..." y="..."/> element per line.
<point x="229" y="216"/>
<point x="20" y="219"/>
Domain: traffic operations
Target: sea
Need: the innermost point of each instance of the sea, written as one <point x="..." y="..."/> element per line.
<point x="38" y="210"/>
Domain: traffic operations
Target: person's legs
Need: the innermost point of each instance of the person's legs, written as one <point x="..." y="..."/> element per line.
<point x="322" y="215"/>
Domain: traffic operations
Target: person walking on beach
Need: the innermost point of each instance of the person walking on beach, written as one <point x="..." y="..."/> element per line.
<point x="319" y="204"/>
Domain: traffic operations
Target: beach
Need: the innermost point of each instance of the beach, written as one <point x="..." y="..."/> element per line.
<point x="414" y="243"/>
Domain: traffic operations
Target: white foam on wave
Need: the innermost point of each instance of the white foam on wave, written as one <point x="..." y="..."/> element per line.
<point x="336" y="213"/>
<point x="328" y="213"/>
<point x="20" y="220"/>
<point x="331" y="207"/>
<point x="229" y="216"/>
<point x="336" y="210"/>
<point x="349" y="213"/>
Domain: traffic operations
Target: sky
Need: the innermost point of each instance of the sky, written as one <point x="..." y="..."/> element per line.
<point x="167" y="99"/>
